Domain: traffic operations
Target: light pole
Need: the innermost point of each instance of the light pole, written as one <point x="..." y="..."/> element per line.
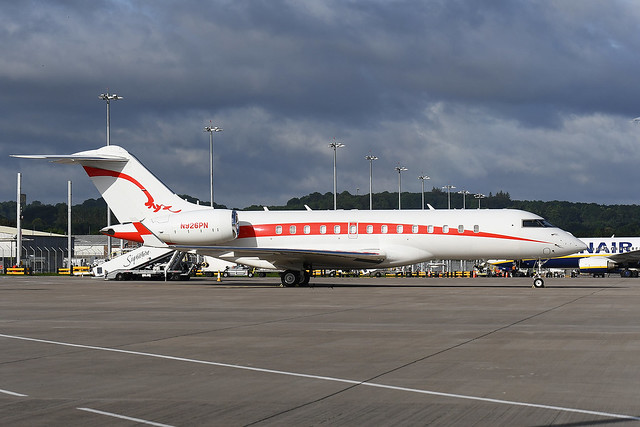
<point x="479" y="197"/>
<point x="464" y="198"/>
<point x="211" y="129"/>
<point x="69" y="247"/>
<point x="19" y="221"/>
<point x="400" y="169"/>
<point x="371" y="158"/>
<point x="335" y="145"/>
<point x="449" y="187"/>
<point x="108" y="97"/>
<point x="422" y="178"/>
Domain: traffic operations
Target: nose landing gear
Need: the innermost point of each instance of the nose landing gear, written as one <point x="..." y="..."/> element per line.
<point x="537" y="278"/>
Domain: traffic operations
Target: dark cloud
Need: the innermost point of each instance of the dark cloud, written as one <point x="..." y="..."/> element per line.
<point x="517" y="96"/>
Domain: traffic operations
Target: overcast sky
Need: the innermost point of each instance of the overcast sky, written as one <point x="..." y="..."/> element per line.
<point x="534" y="98"/>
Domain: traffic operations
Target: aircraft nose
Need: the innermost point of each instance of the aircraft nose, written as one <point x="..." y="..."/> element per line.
<point x="571" y="242"/>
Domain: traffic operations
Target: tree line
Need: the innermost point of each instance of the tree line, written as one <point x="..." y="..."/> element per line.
<point x="582" y="219"/>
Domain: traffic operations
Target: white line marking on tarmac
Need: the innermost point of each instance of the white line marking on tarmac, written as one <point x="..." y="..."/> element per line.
<point x="111" y="414"/>
<point x="13" y="393"/>
<point x="339" y="380"/>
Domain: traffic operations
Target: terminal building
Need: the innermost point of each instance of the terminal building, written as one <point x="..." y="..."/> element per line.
<point x="42" y="252"/>
<point x="45" y="252"/>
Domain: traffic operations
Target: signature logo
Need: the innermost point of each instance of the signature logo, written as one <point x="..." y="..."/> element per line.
<point x="133" y="258"/>
<point x="150" y="203"/>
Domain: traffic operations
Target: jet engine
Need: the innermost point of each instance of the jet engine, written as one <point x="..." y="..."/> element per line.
<point x="595" y="265"/>
<point x="205" y="227"/>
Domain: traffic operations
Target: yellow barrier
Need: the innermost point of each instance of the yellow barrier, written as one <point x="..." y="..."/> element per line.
<point x="82" y="270"/>
<point x="17" y="270"/>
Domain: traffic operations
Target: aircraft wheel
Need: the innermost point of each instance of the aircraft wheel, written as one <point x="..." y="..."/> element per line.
<point x="538" y="282"/>
<point x="305" y="277"/>
<point x="290" y="278"/>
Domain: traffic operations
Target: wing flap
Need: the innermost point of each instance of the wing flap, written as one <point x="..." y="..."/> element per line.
<point x="290" y="258"/>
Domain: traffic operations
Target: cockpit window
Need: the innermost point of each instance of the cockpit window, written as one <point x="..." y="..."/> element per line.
<point x="539" y="223"/>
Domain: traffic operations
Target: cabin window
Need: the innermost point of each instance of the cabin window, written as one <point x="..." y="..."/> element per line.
<point x="476" y="228"/>
<point x="307" y="229"/>
<point x="414" y="228"/>
<point x="399" y="229"/>
<point x="430" y="229"/>
<point x="384" y="229"/>
<point x="353" y="229"/>
<point x="445" y="228"/>
<point x="278" y="229"/>
<point x="369" y="229"/>
<point x="323" y="229"/>
<point x="461" y="229"/>
<point x="336" y="229"/>
<point x="540" y="223"/>
<point x="292" y="229"/>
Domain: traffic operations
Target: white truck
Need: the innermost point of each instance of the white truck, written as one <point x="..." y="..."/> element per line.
<point x="147" y="262"/>
<point x="210" y="266"/>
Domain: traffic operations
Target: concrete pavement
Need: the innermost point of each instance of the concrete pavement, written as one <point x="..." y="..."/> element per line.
<point x="347" y="351"/>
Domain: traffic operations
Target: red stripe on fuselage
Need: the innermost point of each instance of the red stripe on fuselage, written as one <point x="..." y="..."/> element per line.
<point x="269" y="230"/>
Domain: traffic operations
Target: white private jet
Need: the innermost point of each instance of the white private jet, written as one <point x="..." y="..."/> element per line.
<point x="298" y="241"/>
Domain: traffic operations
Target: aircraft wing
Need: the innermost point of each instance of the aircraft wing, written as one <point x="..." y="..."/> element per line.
<point x="624" y="257"/>
<point x="293" y="258"/>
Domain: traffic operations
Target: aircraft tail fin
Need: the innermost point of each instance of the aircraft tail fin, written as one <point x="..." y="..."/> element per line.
<point x="132" y="192"/>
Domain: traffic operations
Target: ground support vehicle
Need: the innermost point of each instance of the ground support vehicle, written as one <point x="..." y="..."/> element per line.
<point x="148" y="263"/>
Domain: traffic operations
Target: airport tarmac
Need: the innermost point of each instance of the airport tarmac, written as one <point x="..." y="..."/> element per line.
<point x="347" y="351"/>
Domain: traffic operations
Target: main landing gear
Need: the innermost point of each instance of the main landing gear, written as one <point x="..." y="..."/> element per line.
<point x="294" y="278"/>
